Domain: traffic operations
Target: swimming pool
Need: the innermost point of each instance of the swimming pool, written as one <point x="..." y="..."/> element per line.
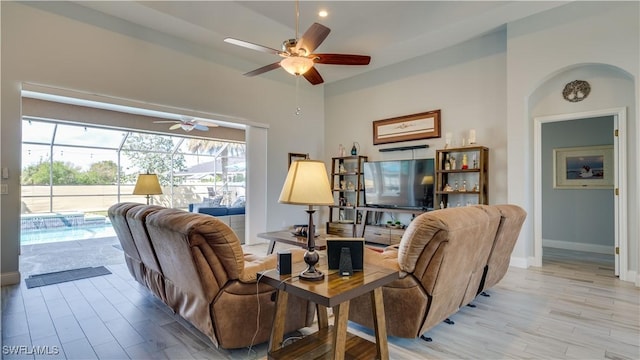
<point x="31" y="237"/>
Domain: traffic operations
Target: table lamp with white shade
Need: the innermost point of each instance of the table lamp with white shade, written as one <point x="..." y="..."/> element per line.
<point x="147" y="184"/>
<point x="307" y="183"/>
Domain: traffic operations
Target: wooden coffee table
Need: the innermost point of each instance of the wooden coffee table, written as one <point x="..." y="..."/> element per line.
<point x="330" y="342"/>
<point x="287" y="237"/>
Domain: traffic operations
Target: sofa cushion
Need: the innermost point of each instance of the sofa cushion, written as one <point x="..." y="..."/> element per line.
<point x="215" y="201"/>
<point x="153" y="276"/>
<point x="484" y="244"/>
<point x="117" y="215"/>
<point x="214" y="211"/>
<point x="512" y="219"/>
<point x="235" y="211"/>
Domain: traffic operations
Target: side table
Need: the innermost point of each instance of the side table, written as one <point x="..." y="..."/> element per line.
<point x="330" y="342"/>
<point x="286" y="237"/>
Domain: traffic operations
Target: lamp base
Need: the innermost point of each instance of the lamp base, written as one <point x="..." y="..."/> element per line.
<point x="311" y="274"/>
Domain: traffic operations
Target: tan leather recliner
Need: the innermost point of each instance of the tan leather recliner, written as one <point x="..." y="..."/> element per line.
<point x="153" y="276"/>
<point x="511" y="220"/>
<point x="117" y="214"/>
<point x="438" y="259"/>
<point x="483" y="249"/>
<point x="206" y="278"/>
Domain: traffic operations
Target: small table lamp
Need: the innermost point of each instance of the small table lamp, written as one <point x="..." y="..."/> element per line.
<point x="147" y="184"/>
<point x="427" y="181"/>
<point x="307" y="183"/>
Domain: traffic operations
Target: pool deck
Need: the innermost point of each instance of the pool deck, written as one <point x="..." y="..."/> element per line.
<point x="59" y="256"/>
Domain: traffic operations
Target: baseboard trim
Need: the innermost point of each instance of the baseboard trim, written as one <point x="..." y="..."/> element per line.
<point x="568" y="245"/>
<point x="10" y="278"/>
<point x="519" y="262"/>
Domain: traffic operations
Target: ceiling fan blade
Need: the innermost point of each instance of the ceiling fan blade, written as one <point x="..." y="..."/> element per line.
<point x="313" y="37"/>
<point x="175" y="126"/>
<point x="263" y="69"/>
<point x="166" y="121"/>
<point x="252" y="46"/>
<point x="341" y="59"/>
<point x="313" y="76"/>
<point x="200" y="127"/>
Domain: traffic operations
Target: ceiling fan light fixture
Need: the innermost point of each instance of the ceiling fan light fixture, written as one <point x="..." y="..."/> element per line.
<point x="296" y="65"/>
<point x="186" y="127"/>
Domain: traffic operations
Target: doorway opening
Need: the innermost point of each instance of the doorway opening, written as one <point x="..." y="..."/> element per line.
<point x="593" y="220"/>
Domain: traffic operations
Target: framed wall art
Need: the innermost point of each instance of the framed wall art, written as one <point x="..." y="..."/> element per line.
<point x="296" y="156"/>
<point x="420" y="126"/>
<point x="586" y="167"/>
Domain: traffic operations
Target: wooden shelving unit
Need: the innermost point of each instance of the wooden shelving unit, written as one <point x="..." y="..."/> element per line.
<point x="459" y="184"/>
<point x="347" y="184"/>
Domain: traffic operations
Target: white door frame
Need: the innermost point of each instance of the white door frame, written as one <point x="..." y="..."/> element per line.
<point x="620" y="182"/>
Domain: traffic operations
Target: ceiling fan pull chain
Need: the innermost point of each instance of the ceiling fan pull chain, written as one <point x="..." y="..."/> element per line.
<point x="298" y="107"/>
<point x="297" y="18"/>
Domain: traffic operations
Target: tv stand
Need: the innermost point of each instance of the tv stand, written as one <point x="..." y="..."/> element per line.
<point x="379" y="233"/>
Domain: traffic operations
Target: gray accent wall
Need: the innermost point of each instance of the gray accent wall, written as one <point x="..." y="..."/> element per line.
<point x="578" y="219"/>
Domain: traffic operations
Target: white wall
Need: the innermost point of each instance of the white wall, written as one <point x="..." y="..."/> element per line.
<point x="486" y="84"/>
<point x="544" y="45"/>
<point x="58" y="45"/>
<point x="466" y="82"/>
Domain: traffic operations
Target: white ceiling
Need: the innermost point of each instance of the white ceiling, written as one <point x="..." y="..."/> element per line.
<point x="388" y="31"/>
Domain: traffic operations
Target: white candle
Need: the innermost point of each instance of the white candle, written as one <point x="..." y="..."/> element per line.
<point x="447" y="138"/>
<point x="472" y="136"/>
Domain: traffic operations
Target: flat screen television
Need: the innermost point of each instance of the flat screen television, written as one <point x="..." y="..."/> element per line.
<point x="399" y="183"/>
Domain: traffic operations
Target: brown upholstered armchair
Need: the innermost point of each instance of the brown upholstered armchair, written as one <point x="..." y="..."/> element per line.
<point x="441" y="258"/>
<point x="195" y="264"/>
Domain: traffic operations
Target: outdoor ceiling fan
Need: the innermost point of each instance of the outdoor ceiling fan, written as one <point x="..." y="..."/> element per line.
<point x="186" y="123"/>
<point x="297" y="54"/>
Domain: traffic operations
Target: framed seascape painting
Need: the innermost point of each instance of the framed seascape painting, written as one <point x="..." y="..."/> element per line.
<point x="586" y="167"/>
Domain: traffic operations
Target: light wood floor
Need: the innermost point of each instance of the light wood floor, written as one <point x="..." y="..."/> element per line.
<point x="571" y="308"/>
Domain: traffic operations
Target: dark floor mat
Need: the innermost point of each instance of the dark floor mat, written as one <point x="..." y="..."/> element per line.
<point x="64" y="276"/>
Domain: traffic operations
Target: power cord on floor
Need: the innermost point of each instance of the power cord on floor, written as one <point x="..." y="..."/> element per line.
<point x="250" y="349"/>
<point x="290" y="338"/>
<point x="258" y="316"/>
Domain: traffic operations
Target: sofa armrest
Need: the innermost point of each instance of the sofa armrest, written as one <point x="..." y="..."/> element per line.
<point x="388" y="258"/>
<point x="255" y="263"/>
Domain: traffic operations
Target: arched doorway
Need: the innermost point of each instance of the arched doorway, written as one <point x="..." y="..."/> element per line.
<point x="614" y="86"/>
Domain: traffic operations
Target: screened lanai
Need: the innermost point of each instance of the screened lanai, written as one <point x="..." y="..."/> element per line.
<point x="73" y="172"/>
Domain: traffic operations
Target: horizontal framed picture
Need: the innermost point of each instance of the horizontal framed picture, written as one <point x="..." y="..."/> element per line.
<point x="587" y="167"/>
<point x="424" y="125"/>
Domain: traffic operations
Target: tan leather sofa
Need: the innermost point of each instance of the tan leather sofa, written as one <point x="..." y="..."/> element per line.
<point x="441" y="259"/>
<point x="195" y="264"/>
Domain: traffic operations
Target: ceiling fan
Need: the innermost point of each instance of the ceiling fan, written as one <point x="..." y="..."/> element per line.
<point x="298" y="57"/>
<point x="186" y="123"/>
